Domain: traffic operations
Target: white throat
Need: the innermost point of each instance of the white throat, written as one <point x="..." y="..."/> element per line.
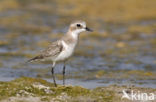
<point x="75" y="34"/>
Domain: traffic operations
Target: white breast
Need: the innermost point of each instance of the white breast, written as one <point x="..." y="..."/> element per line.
<point x="67" y="51"/>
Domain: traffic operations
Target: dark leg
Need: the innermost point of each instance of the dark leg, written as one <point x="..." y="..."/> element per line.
<point x="52" y="72"/>
<point x="64" y="67"/>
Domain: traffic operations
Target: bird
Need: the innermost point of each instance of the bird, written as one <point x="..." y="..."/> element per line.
<point x="62" y="49"/>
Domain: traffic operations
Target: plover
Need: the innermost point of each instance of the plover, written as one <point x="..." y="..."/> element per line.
<point x="63" y="48"/>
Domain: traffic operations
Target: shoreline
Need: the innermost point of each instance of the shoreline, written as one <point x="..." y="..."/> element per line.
<point x="94" y="83"/>
<point x="27" y="89"/>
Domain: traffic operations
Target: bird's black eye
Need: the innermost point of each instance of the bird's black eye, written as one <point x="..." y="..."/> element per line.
<point x="78" y="25"/>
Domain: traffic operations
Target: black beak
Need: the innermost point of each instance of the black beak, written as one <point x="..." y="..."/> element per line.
<point x="88" y="29"/>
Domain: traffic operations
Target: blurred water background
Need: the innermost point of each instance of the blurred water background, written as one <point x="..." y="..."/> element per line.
<point x="121" y="50"/>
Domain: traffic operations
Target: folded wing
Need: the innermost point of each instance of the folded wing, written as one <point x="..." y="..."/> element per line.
<point x="52" y="51"/>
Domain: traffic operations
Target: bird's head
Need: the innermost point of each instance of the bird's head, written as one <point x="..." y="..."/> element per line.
<point x="78" y="26"/>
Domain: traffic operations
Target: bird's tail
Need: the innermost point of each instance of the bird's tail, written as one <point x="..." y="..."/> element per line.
<point x="35" y="58"/>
